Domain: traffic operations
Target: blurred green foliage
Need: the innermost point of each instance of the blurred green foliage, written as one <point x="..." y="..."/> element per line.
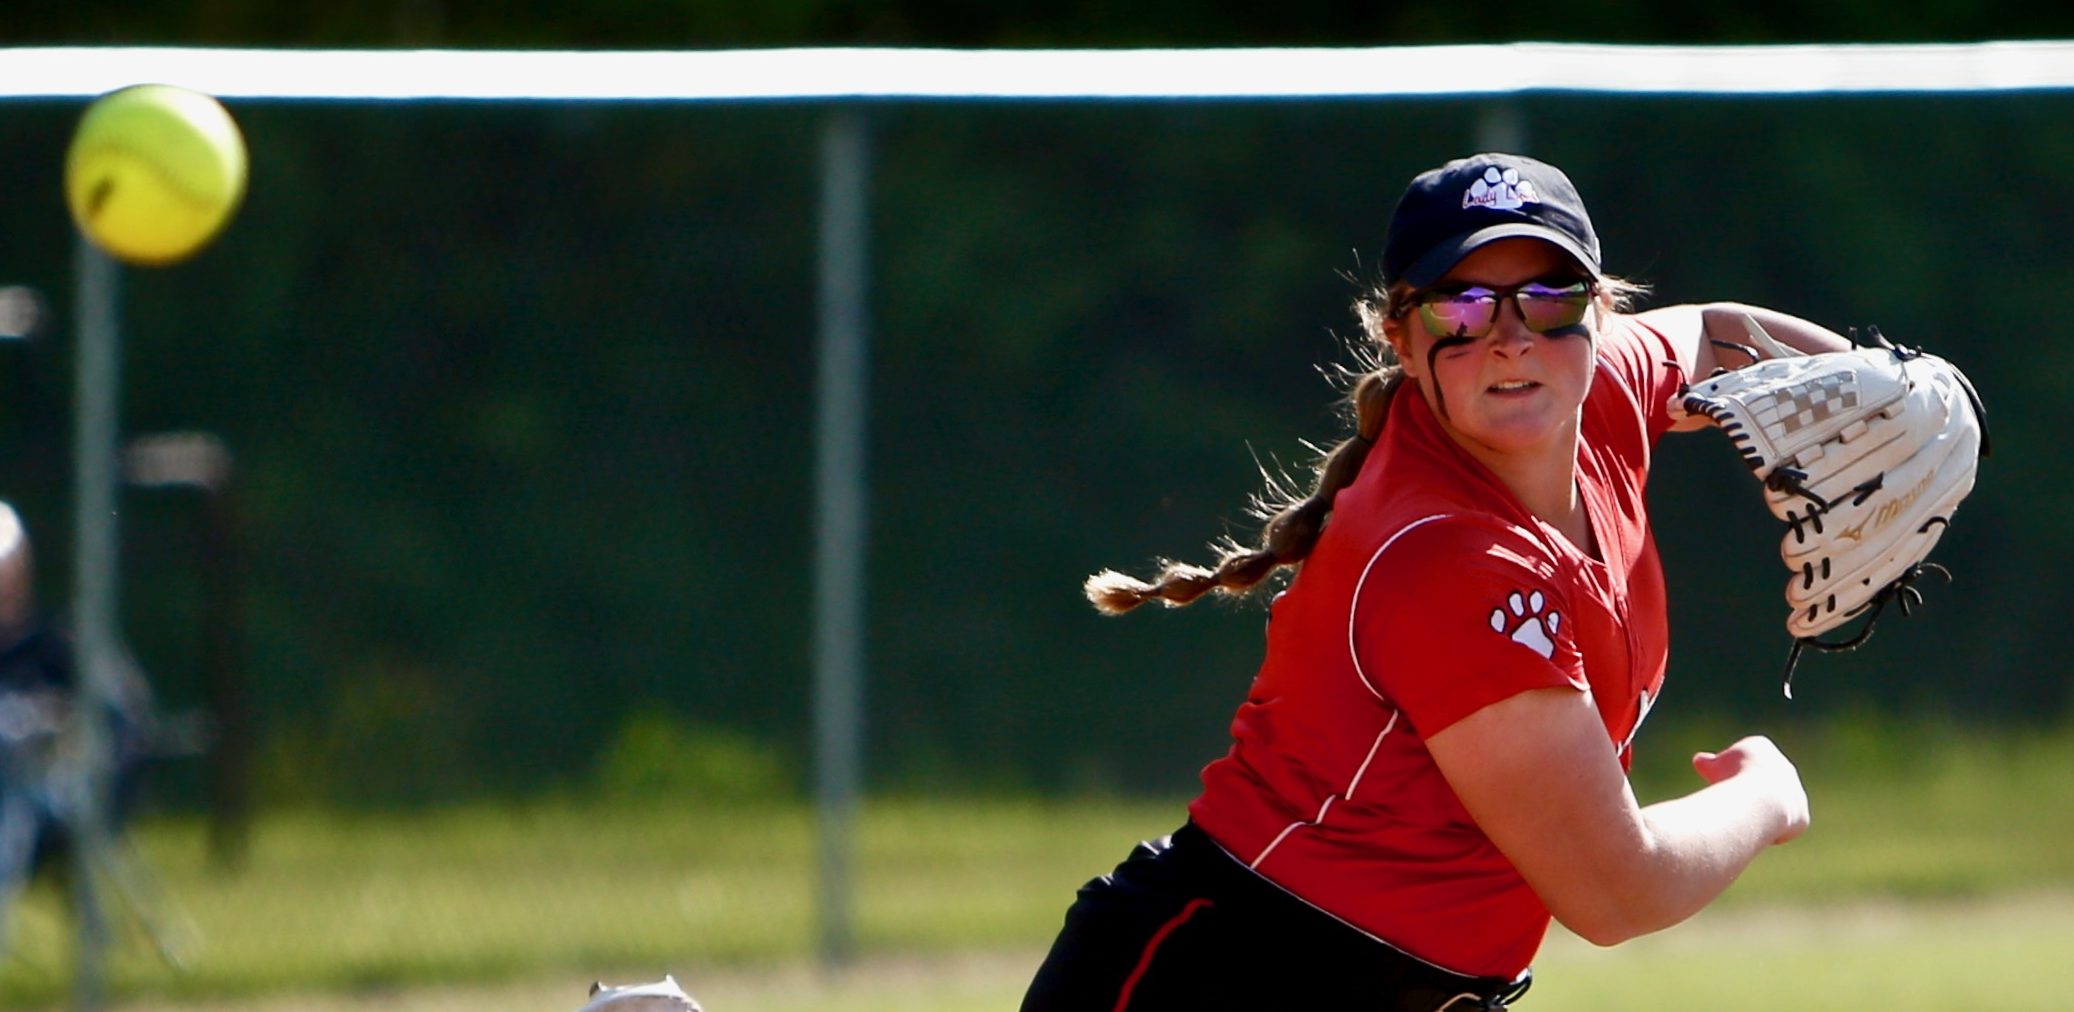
<point x="521" y="402"/>
<point x="656" y="760"/>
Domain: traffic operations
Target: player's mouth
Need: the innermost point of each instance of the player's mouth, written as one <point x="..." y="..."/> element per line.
<point x="1513" y="387"/>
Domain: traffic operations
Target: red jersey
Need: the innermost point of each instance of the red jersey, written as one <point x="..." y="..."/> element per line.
<point x="1432" y="594"/>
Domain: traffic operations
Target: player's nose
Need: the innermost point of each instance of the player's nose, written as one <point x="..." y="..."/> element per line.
<point x="1509" y="333"/>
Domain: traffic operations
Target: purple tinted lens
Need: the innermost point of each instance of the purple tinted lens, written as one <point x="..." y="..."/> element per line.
<point x="1467" y="313"/>
<point x="1545" y="308"/>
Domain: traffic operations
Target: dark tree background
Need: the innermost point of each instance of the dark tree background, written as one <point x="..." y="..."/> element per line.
<point x="521" y="395"/>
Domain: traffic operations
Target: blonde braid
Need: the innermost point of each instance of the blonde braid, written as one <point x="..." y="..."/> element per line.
<point x="1293" y="524"/>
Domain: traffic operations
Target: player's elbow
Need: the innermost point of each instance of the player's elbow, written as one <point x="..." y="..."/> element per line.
<point x="1602" y="921"/>
<point x="1609" y="910"/>
<point x="1604" y="928"/>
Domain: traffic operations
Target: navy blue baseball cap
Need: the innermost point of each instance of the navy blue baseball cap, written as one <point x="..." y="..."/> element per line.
<point x="1447" y="212"/>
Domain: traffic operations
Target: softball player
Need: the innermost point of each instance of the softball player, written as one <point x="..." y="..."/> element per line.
<point x="1432" y="759"/>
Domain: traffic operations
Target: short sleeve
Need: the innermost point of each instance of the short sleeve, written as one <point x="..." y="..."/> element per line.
<point x="1646" y="364"/>
<point x="1456" y="615"/>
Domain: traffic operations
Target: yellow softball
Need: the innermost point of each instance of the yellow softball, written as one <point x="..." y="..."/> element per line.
<point x="154" y="172"/>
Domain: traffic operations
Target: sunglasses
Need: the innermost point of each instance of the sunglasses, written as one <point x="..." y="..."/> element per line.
<point x="1472" y="310"/>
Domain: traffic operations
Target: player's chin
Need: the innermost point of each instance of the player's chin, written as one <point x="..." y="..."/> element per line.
<point x="1522" y="424"/>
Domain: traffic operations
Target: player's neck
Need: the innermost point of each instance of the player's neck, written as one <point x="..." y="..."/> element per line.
<point x="1546" y="484"/>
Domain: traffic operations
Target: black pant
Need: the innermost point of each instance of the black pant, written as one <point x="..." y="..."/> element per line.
<point x="1180" y="925"/>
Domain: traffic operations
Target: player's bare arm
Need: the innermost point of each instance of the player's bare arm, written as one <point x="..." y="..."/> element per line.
<point x="1538" y="775"/>
<point x="1714" y="335"/>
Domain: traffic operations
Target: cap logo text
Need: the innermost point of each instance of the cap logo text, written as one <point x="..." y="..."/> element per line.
<point x="1502" y="189"/>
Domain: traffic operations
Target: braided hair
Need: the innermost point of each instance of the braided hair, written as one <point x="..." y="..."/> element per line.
<point x="1293" y="520"/>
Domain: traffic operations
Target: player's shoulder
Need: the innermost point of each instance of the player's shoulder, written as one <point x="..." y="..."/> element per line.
<point x="1449" y="554"/>
<point x="1640" y="368"/>
<point x="1439" y="622"/>
<point x="1649" y="327"/>
<point x="1632" y="347"/>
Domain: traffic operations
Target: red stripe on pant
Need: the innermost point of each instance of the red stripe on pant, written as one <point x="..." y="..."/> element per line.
<point x="1123" y="998"/>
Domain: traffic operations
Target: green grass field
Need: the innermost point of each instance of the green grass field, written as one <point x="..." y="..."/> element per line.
<point x="1938" y="877"/>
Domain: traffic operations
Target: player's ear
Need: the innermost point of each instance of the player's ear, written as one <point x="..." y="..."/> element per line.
<point x="1397" y="331"/>
<point x="1605" y="306"/>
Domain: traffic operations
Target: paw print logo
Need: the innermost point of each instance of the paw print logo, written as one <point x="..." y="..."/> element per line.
<point x="1502" y="189"/>
<point x="1527" y="620"/>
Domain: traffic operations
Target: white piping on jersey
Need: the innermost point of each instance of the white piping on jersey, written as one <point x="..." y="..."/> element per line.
<point x="1353" y="605"/>
<point x="1351" y="926"/>
<point x="1354" y="655"/>
<point x="1291" y="828"/>
<point x="1373" y="748"/>
<point x="1355" y="783"/>
<point x="1642" y="707"/>
<point x="1366" y="683"/>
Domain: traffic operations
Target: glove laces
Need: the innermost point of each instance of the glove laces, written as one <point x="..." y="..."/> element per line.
<point x="1901" y="590"/>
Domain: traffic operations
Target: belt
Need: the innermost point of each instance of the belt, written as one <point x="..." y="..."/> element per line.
<point x="1471" y="1001"/>
<point x="1417" y="986"/>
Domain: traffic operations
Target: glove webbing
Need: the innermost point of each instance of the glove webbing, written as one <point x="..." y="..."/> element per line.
<point x="1901" y="589"/>
<point x="1790" y="480"/>
<point x="1794" y="481"/>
